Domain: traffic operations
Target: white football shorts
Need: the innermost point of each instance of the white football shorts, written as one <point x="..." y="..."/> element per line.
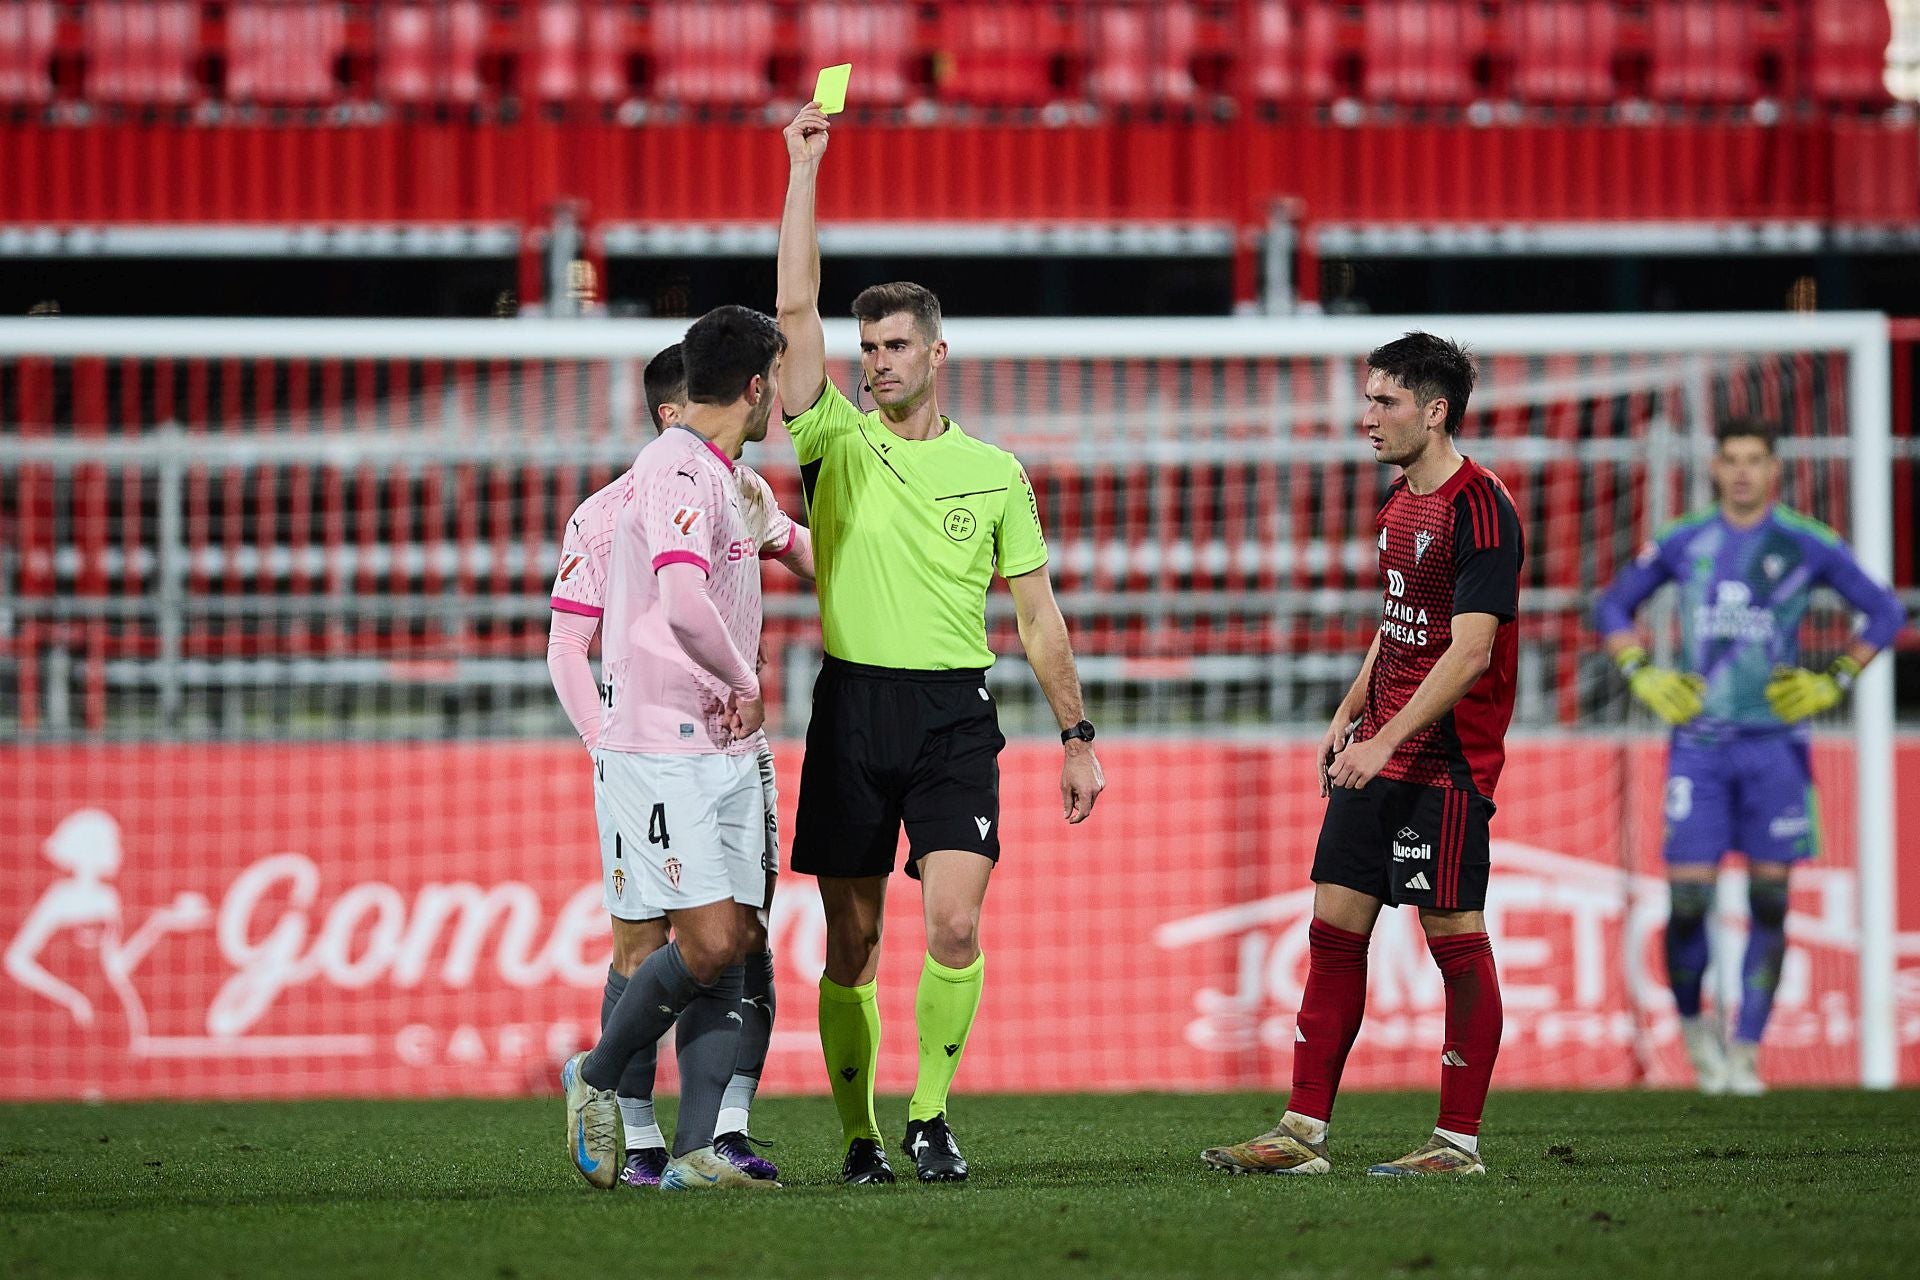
<point x="680" y="831"/>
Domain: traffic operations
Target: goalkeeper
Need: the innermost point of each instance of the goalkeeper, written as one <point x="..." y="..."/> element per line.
<point x="1737" y="775"/>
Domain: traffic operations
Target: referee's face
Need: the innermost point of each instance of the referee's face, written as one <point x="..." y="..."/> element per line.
<point x="898" y="360"/>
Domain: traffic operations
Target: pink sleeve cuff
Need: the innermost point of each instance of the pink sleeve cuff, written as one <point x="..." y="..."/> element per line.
<point x="772" y="553"/>
<point x="666" y="558"/>
<point x="562" y="605"/>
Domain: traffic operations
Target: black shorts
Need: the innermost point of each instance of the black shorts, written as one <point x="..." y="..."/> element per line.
<point x="1408" y="845"/>
<point x="887" y="747"/>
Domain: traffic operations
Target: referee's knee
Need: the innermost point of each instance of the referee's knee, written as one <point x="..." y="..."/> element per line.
<point x="953" y="937"/>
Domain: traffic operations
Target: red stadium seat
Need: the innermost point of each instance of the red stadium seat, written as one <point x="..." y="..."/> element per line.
<point x="1141" y="52"/>
<point x="876" y="38"/>
<point x="284" y="52"/>
<point x="1289" y="51"/>
<point x="997" y="54"/>
<point x="579" y="48"/>
<point x="712" y="53"/>
<point x="1563" y="50"/>
<point x="26" y="51"/>
<point x="1846" y="50"/>
<point x="1704" y="51"/>
<point x="141" y="51"/>
<point x="1417" y="52"/>
<point x="430" y="53"/>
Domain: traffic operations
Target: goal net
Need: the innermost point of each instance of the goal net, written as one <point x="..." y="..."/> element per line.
<point x="293" y="808"/>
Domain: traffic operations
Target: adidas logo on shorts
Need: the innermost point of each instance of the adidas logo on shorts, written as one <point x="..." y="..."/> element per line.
<point x="1419" y="881"/>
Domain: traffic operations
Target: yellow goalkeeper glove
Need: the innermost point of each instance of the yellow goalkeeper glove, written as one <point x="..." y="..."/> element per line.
<point x="1670" y="695"/>
<point x="1795" y="693"/>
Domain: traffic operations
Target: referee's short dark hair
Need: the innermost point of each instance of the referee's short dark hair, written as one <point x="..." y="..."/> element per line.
<point x="1746" y="429"/>
<point x="726" y="349"/>
<point x="1430" y="367"/>
<point x="666" y="382"/>
<point x="882" y="300"/>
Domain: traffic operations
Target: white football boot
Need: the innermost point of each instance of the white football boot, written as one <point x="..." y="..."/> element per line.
<point x="593" y="1126"/>
<point x="1708" y="1052"/>
<point x="706" y="1170"/>
<point x="1743" y="1070"/>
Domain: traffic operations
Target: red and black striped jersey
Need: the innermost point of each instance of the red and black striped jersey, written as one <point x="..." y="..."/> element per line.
<point x="1455" y="550"/>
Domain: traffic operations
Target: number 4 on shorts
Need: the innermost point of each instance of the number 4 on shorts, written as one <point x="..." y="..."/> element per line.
<point x="657" y="827"/>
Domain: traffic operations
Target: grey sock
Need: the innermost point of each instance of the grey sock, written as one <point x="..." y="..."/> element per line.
<point x="610" y="995"/>
<point x="756" y="1008"/>
<point x="636" y="1082"/>
<point x="708" y="1041"/>
<point x="656" y="993"/>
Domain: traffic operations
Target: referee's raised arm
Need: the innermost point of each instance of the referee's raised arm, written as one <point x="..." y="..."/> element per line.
<point x="803" y="369"/>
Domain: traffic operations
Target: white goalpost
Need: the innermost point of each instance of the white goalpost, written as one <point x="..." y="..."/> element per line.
<point x="341" y="532"/>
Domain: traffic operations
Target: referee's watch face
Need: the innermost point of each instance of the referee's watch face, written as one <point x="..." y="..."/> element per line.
<point x="898" y="361"/>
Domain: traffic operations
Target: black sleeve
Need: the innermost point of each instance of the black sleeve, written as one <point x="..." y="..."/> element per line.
<point x="1487" y="552"/>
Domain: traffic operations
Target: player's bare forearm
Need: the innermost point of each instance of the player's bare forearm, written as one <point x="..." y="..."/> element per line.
<point x="1619" y="642"/>
<point x="1862" y="653"/>
<point x="1049" y="650"/>
<point x="798" y="557"/>
<point x="1356" y="700"/>
<point x="1458" y="669"/>
<point x="1043" y="634"/>
<point x="803" y="370"/>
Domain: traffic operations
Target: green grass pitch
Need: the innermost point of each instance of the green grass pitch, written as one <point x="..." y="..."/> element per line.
<point x="1611" y="1185"/>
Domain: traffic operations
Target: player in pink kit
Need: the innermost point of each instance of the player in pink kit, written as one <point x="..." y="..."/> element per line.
<point x="579" y="597"/>
<point x="678" y="746"/>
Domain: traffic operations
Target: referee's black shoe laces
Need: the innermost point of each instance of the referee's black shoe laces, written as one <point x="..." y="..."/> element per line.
<point x="934" y="1150"/>
<point x="866" y="1164"/>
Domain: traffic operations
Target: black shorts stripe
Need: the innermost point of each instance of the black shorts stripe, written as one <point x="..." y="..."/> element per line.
<point x="1453" y="830"/>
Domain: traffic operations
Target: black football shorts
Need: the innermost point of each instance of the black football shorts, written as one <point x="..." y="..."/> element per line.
<point x="888" y="748"/>
<point x="1408" y="845"/>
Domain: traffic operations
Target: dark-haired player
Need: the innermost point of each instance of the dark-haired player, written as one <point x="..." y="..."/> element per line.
<point x="1738" y="776"/>
<point x="1409" y="766"/>
<point x="579" y="597"/>
<point x="676" y="761"/>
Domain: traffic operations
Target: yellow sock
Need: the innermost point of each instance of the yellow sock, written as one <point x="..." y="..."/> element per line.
<point x="944" y="1009"/>
<point x="850" y="1041"/>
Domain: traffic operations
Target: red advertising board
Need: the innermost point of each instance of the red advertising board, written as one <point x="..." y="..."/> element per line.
<point x="397" y="919"/>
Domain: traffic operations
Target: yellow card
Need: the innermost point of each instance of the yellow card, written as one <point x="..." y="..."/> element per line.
<point x="830" y="90"/>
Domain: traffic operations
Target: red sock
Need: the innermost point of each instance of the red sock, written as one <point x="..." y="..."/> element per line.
<point x="1474" y="1020"/>
<point x="1330" y="1011"/>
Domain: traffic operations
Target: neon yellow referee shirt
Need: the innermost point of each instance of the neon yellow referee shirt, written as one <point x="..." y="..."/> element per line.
<point x="907" y="535"/>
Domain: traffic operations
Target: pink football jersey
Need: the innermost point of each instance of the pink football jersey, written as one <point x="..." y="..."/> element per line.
<point x="586" y="546"/>
<point x="684" y="508"/>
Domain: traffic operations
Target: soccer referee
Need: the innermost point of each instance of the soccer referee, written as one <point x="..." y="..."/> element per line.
<point x="911" y="517"/>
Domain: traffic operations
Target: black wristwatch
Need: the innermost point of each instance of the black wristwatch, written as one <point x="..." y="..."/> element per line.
<point x="1082" y="731"/>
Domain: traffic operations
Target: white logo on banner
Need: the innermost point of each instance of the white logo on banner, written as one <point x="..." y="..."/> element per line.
<point x="1560" y="926"/>
<point x="269" y="933"/>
